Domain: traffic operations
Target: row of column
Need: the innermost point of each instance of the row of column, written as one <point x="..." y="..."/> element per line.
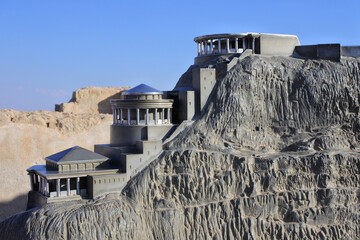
<point x="43" y="185"/>
<point x="203" y="48"/>
<point x="41" y="182"/>
<point x="68" y="189"/>
<point x="118" y="116"/>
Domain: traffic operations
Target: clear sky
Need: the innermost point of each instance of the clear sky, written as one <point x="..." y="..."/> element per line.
<point x="50" y="48"/>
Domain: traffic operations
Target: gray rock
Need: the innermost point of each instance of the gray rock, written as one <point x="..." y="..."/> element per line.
<point x="292" y="171"/>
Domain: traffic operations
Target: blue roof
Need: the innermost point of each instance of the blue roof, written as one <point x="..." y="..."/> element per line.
<point x="75" y="154"/>
<point x="142" y="89"/>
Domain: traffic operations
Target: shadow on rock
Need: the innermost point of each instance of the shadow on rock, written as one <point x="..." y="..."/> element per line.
<point x="16" y="205"/>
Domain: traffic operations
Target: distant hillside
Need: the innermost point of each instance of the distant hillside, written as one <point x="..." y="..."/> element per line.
<point x="91" y="100"/>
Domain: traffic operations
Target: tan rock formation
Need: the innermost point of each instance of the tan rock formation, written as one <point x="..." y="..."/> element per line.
<point x="27" y="137"/>
<point x="91" y="100"/>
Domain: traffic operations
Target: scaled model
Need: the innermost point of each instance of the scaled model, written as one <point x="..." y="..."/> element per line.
<point x="147" y="117"/>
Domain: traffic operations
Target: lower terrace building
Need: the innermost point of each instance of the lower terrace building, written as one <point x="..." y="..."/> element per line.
<point x="66" y="173"/>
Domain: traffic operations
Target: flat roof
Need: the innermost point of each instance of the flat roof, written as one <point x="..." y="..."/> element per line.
<point x="235" y="35"/>
<point x="53" y="174"/>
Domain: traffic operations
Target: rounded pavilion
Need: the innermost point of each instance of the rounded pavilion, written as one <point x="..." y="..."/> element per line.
<point x="142" y="105"/>
<point x="143" y="114"/>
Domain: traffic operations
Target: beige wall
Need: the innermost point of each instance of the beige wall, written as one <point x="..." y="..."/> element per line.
<point x="281" y="45"/>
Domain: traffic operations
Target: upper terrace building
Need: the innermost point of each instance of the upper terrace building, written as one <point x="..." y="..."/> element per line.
<point x="211" y="46"/>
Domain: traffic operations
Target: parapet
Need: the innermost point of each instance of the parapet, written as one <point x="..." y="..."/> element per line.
<point x="320" y="51"/>
<point x="350" y="51"/>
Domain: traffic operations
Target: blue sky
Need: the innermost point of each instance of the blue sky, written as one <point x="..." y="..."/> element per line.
<point x="50" y="48"/>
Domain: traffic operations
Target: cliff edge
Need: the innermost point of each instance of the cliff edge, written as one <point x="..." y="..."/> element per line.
<point x="275" y="154"/>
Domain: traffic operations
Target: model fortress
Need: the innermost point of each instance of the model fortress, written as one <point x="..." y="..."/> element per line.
<point x="146" y="117"/>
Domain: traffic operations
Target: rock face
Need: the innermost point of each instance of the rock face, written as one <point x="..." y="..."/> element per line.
<point x="275" y="154"/>
<point x="91" y="100"/>
<point x="27" y="137"/>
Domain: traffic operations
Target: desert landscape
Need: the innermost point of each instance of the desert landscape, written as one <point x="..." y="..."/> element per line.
<point x="179" y="120"/>
<point x="26" y="138"/>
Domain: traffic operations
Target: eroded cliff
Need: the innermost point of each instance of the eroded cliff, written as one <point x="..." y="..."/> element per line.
<point x="275" y="154"/>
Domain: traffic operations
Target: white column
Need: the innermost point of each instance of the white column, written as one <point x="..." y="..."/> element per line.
<point x="253" y="45"/>
<point x="147" y="117"/>
<point x="58" y="187"/>
<point x="205" y="47"/>
<point x="129" y="116"/>
<point x="211" y="46"/>
<point x="162" y="115"/>
<point x="202" y="48"/>
<point x="31" y="182"/>
<point x="35" y="180"/>
<point x="228" y="45"/>
<point x="40" y="184"/>
<point x="78" y="186"/>
<point x="199" y="49"/>
<point x="47" y="188"/>
<point x="244" y="45"/>
<point x="44" y="186"/>
<point x="236" y="45"/>
<point x="155" y="116"/>
<point x="168" y="115"/>
<point x="68" y="186"/>
<point x="114" y="116"/>
<point x="121" y="116"/>
<point x="117" y="114"/>
<point x="137" y="116"/>
<point x="219" y="46"/>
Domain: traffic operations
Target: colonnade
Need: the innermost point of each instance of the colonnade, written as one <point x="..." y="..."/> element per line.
<point x="207" y="47"/>
<point x="123" y="116"/>
<point x="41" y="184"/>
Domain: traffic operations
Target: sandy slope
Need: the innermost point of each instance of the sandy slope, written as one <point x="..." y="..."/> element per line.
<point x="92" y="100"/>
<point x="27" y="137"/>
